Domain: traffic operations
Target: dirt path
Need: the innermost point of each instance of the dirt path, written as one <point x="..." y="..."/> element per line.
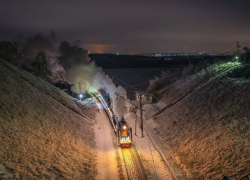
<point x="106" y="157"/>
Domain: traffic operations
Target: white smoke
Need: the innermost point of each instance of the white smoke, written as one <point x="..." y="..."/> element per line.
<point x="88" y="76"/>
<point x="31" y="46"/>
<point x="72" y="58"/>
<point x="117" y="94"/>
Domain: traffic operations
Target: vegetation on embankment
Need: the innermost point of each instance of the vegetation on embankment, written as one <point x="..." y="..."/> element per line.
<point x="205" y="119"/>
<point x="44" y="133"/>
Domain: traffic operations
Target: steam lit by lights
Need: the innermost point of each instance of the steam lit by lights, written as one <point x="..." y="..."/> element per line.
<point x="101" y="98"/>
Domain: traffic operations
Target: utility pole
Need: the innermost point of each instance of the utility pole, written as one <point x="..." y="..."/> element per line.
<point x="141" y="116"/>
<point x="135" y="112"/>
<point x="80" y="91"/>
<point x="80" y="87"/>
<point x="135" y="122"/>
<point x="238" y="46"/>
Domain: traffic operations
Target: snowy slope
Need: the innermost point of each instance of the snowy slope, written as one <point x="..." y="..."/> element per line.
<point x="44" y="133"/>
<point x="205" y="121"/>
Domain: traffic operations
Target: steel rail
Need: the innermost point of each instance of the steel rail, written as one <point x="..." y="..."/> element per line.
<point x="133" y="164"/>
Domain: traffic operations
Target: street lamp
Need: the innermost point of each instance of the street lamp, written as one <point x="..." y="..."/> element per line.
<point x="80" y="97"/>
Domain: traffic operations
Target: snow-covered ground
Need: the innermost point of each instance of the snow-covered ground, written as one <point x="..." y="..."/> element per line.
<point x="159" y="165"/>
<point x="107" y="166"/>
<point x="205" y="120"/>
<point x="44" y="133"/>
<point x="63" y="137"/>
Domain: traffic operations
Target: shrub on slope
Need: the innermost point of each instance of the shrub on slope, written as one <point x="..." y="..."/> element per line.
<point x="207" y="126"/>
<point x="44" y="134"/>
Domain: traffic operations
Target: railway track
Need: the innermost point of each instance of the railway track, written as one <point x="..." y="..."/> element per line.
<point x="134" y="166"/>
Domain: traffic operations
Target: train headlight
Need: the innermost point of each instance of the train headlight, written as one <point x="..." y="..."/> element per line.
<point x="125" y="140"/>
<point x="124" y="127"/>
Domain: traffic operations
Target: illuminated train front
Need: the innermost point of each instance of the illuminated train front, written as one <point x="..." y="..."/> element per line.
<point x="124" y="134"/>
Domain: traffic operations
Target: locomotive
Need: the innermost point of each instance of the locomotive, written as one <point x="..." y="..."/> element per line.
<point x="123" y="132"/>
<point x="122" y="129"/>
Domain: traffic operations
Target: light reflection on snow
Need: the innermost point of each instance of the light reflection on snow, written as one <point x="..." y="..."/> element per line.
<point x="100" y="106"/>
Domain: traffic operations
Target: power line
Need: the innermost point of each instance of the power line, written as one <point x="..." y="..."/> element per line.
<point x="207" y="59"/>
<point x="128" y="84"/>
<point x="136" y="88"/>
<point x="139" y="90"/>
<point x="244" y="45"/>
<point x="170" y="105"/>
<point x="122" y="86"/>
<point x="123" y="98"/>
<point x="148" y="82"/>
<point x="140" y="84"/>
<point x="154" y="91"/>
<point x="227" y="48"/>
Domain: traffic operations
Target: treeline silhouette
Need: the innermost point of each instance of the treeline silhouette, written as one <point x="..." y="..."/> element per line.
<point x="109" y="61"/>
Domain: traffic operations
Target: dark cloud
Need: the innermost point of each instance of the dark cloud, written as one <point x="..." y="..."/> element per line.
<point x="130" y="26"/>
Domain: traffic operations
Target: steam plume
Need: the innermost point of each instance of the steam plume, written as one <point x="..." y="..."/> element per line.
<point x="33" y="45"/>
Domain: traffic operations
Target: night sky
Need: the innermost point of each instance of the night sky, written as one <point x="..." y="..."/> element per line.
<point x="132" y="26"/>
